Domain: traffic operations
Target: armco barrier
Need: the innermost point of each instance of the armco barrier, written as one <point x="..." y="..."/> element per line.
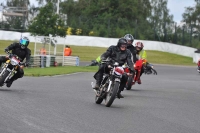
<point x="36" y="61"/>
<point x="67" y="60"/>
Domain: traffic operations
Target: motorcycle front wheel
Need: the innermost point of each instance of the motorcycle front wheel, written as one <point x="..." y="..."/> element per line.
<point x="3" y="77"/>
<point x="111" y="95"/>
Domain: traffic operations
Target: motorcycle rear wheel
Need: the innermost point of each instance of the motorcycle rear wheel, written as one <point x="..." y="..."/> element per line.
<point x="111" y="95"/>
<point x="129" y="82"/>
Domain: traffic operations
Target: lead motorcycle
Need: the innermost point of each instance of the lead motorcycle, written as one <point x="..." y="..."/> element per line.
<point x="9" y="68"/>
<point x="110" y="85"/>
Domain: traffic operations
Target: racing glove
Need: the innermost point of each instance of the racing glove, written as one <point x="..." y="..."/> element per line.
<point x="6" y="50"/>
<point x="26" y="64"/>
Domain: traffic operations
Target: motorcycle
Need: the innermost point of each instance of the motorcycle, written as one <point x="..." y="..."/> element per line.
<point x="198" y="69"/>
<point x="110" y="85"/>
<point x="9" y="68"/>
<point x="135" y="77"/>
<point x="149" y="69"/>
<point x="93" y="63"/>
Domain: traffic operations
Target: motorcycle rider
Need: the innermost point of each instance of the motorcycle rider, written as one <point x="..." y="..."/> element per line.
<point x="96" y="62"/>
<point x="120" y="54"/>
<point x="130" y="40"/>
<point x="23" y="52"/>
<point x="141" y="54"/>
<point x="198" y="65"/>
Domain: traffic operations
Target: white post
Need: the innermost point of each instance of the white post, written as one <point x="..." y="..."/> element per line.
<point x="55" y="45"/>
<point x="35" y="47"/>
<point x="63" y="51"/>
<point x="49" y="47"/>
<point x="55" y="50"/>
<point x="58" y="6"/>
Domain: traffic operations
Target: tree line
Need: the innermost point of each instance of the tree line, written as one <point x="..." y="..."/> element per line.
<point x="144" y="19"/>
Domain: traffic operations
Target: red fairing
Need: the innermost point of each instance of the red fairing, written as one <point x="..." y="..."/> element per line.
<point x="198" y="63"/>
<point x="119" y="70"/>
<point x="127" y="70"/>
<point x="138" y="64"/>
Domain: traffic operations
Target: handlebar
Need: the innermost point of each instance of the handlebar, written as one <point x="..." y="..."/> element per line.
<point x="8" y="52"/>
<point x="10" y="55"/>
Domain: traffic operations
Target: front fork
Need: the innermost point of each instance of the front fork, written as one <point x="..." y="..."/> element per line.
<point x="11" y="74"/>
<point x="116" y="79"/>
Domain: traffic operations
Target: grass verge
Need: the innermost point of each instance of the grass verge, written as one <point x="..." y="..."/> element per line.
<point x="51" y="71"/>
<point x="87" y="53"/>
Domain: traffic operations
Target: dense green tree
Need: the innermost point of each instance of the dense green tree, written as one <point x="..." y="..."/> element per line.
<point x="145" y="19"/>
<point x="161" y="21"/>
<point x="47" y="22"/>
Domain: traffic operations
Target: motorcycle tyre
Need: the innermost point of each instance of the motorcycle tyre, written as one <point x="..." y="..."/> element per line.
<point x="3" y="77"/>
<point x="129" y="82"/>
<point x="114" y="89"/>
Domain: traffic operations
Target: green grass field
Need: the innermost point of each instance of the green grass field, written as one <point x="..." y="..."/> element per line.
<point x="50" y="71"/>
<point x="87" y="53"/>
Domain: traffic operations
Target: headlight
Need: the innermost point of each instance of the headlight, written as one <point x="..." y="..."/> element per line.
<point x="14" y="61"/>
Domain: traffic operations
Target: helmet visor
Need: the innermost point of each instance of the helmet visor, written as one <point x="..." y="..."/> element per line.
<point x="24" y="42"/>
<point x="123" y="45"/>
<point x="129" y="41"/>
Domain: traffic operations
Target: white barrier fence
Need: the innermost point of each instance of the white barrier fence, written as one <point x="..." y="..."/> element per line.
<point x="47" y="61"/>
<point x="106" y="42"/>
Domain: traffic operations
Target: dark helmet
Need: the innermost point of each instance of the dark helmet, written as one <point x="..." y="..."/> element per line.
<point x="129" y="37"/>
<point x="121" y="41"/>
<point x="24" y="42"/>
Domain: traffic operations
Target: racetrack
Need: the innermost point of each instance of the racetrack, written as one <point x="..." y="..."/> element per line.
<point x="164" y="103"/>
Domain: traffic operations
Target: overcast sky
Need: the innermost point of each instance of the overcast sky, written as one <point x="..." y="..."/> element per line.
<point x="176" y="7"/>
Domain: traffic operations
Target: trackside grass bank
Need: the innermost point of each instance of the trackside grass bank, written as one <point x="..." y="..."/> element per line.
<point x="87" y="53"/>
<point x="51" y="71"/>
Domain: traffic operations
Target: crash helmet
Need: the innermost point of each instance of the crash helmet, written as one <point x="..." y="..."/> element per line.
<point x="139" y="46"/>
<point x="129" y="38"/>
<point x="122" y="43"/>
<point x="24" y="42"/>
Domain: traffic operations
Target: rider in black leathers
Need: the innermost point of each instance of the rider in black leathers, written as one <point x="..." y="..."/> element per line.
<point x="130" y="40"/>
<point x="119" y="54"/>
<point x="20" y="49"/>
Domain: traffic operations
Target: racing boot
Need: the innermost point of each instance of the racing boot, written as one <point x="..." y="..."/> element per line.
<point x="121" y="88"/>
<point x="96" y="87"/>
<point x="139" y="81"/>
<point x="99" y="78"/>
<point x="9" y="83"/>
<point x="119" y="95"/>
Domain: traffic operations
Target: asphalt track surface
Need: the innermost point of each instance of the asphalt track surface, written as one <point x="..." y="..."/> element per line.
<point x="165" y="103"/>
